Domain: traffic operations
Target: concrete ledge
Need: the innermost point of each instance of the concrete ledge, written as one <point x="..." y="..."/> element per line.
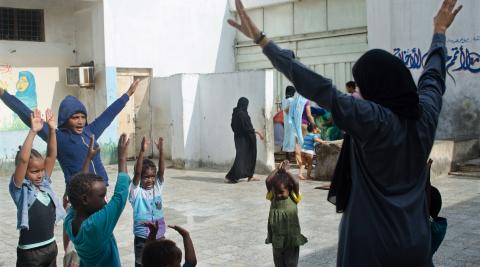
<point x="446" y="154"/>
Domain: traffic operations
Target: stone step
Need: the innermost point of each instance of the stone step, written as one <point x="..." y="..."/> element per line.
<point x="466" y="174"/>
<point x="469" y="166"/>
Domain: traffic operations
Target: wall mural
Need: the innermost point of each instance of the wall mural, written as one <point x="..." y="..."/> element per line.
<point x="24" y="88"/>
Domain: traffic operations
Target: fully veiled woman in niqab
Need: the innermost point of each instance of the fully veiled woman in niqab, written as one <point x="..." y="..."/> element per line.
<point x="379" y="183"/>
<point x="245" y="143"/>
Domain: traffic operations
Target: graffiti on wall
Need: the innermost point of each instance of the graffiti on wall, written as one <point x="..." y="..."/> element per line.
<point x="461" y="57"/>
<point x="22" y="85"/>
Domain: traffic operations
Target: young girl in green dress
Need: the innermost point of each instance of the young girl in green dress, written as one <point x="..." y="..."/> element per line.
<point x="283" y="224"/>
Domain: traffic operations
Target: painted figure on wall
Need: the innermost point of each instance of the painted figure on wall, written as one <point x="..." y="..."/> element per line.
<point x="27" y="93"/>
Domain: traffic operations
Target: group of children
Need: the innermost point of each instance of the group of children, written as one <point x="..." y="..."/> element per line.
<point x="90" y="220"/>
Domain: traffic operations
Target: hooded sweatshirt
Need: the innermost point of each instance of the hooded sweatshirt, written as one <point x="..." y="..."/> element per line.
<point x="72" y="148"/>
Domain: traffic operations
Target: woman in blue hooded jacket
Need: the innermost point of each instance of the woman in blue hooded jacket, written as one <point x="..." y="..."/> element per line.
<point x="73" y="133"/>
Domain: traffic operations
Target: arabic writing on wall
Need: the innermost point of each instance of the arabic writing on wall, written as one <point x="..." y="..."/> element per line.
<point x="460" y="58"/>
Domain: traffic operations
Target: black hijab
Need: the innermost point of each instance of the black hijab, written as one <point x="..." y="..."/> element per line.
<point x="241" y="123"/>
<point x="242" y="104"/>
<point x="385" y="80"/>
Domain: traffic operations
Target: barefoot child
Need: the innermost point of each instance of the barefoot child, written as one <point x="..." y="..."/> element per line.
<point x="283" y="225"/>
<point x="38" y="208"/>
<point x="308" y="150"/>
<point x="164" y="253"/>
<point x="146" y="198"/>
<point x="90" y="222"/>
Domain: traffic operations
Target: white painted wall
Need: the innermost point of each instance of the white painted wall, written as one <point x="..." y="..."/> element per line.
<point x="197" y="129"/>
<point x="408" y="24"/>
<point x="169" y="36"/>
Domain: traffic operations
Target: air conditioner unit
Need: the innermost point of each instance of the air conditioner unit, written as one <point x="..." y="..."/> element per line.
<point x="81" y="76"/>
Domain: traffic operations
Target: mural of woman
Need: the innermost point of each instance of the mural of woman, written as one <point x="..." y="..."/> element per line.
<point x="26" y="89"/>
<point x="27" y="93"/>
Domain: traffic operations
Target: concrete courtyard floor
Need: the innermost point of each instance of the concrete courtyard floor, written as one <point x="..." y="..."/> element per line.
<point x="228" y="222"/>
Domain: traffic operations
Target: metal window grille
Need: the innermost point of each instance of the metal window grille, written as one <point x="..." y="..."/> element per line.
<point x="22" y="24"/>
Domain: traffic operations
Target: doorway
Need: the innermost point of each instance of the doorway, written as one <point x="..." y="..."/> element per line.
<point x="135" y="120"/>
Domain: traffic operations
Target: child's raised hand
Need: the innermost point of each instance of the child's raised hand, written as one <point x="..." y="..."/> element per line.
<point x="133" y="87"/>
<point x="36" y="121"/>
<point x="144" y="145"/>
<point x="92" y="150"/>
<point x="284" y="165"/>
<point x="50" y="118"/>
<point x="182" y="231"/>
<point x="159" y="145"/>
<point x="153" y="229"/>
<point x="123" y="142"/>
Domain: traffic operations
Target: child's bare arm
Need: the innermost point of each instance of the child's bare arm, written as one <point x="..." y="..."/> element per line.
<point x="21" y="167"/>
<point x="161" y="159"/>
<point x="296" y="184"/>
<point x="190" y="257"/>
<point x="268" y="181"/>
<point x="92" y="151"/>
<point x="51" y="143"/>
<point x="122" y="153"/>
<point x="139" y="164"/>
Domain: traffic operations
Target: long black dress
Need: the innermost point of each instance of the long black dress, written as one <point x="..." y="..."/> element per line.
<point x="245" y="143"/>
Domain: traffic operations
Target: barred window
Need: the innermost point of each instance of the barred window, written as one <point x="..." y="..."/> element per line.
<point x="21" y="24"/>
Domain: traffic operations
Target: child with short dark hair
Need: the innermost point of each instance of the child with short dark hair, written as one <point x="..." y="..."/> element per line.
<point x="165" y="253"/>
<point x="146" y="198"/>
<point x="90" y="222"/>
<point x="308" y="150"/>
<point x="438" y="224"/>
<point x="284" y="231"/>
<point x="38" y="207"/>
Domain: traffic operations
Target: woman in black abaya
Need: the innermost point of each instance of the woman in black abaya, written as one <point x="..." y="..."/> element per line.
<point x="245" y="144"/>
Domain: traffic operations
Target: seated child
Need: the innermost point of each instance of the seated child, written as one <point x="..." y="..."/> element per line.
<point x="38" y="208"/>
<point x="438" y="224"/>
<point x="164" y="253"/>
<point x="283" y="225"/>
<point x="90" y="222"/>
<point x="308" y="150"/>
<point x="146" y="198"/>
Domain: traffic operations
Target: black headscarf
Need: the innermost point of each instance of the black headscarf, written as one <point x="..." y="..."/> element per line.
<point x="385" y="80"/>
<point x="241" y="123"/>
<point x="242" y="104"/>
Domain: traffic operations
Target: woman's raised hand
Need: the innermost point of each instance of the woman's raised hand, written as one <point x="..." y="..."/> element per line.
<point x="445" y="16"/>
<point x="247" y="27"/>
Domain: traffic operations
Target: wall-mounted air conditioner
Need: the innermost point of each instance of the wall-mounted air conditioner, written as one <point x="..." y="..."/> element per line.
<point x="83" y="76"/>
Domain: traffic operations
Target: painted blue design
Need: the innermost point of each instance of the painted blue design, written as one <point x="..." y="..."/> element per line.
<point x="26" y="89"/>
<point x="462" y="59"/>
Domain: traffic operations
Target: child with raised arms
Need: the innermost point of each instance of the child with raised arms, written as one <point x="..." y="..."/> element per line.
<point x="146" y="198"/>
<point x="38" y="208"/>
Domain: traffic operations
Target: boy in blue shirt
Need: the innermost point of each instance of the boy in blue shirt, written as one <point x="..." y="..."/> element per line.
<point x="308" y="150"/>
<point x="90" y="222"/>
<point x="146" y="198"/>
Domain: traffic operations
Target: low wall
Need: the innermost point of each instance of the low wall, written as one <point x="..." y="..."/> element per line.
<point x="193" y="113"/>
